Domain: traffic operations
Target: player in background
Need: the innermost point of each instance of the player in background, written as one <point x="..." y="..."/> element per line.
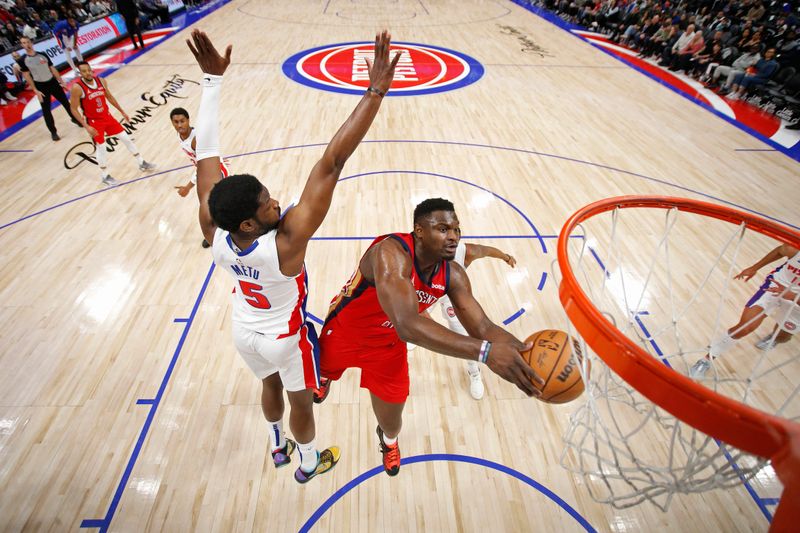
<point x="66" y="33"/>
<point x="265" y="254"/>
<point x="188" y="142"/>
<point x="465" y="255"/>
<point x="778" y="296"/>
<point x="378" y="311"/>
<point x="91" y="95"/>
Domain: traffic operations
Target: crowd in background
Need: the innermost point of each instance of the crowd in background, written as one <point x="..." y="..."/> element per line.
<point x="38" y="19"/>
<point x="733" y="46"/>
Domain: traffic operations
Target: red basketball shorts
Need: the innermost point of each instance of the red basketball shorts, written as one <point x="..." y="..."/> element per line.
<point x="106" y="126"/>
<point x="384" y="369"/>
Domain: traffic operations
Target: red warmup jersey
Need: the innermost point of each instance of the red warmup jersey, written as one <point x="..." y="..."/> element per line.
<point x="93" y="101"/>
<point x="357" y="307"/>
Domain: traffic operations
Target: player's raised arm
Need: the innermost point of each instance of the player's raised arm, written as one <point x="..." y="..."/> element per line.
<point x="302" y="221"/>
<point x="213" y="66"/>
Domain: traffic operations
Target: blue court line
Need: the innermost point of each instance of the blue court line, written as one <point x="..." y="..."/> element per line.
<point x="513" y="317"/>
<point x="459" y="180"/>
<point x="754" y="150"/>
<point x="315" y="319"/>
<point x="456" y="458"/>
<point x="543" y="65"/>
<point x="179" y="320"/>
<point x="145" y="401"/>
<point x="771" y="501"/>
<point x="745" y="482"/>
<point x="542" y="281"/>
<point x="104" y="523"/>
<point x="792" y="152"/>
<point x="189" y="19"/>
<point x="451" y="143"/>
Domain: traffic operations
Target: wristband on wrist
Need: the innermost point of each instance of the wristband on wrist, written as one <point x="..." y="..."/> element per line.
<point x="371" y="89"/>
<point x="483" y="355"/>
<point x="211" y="80"/>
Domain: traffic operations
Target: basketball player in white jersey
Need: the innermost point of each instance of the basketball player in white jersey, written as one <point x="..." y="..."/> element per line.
<point x="265" y="253"/>
<point x="465" y="255"/>
<point x="188" y="142"/>
<point x="778" y="297"/>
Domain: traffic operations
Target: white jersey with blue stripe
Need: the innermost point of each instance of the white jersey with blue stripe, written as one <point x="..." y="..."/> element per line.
<point x="264" y="300"/>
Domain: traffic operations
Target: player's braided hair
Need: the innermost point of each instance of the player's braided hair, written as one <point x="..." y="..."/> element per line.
<point x="426" y="207"/>
<point x="234" y="200"/>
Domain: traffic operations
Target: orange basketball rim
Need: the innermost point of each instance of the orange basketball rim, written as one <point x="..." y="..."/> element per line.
<point x="728" y="420"/>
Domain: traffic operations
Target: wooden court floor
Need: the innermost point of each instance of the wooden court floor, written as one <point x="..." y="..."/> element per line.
<point x="123" y="405"/>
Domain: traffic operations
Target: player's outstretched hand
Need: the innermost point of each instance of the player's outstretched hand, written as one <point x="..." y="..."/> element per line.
<point x="206" y="54"/>
<point x="381" y="71"/>
<point x="505" y="361"/>
<point x="746" y="274"/>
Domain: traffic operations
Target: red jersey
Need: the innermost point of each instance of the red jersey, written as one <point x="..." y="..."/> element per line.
<point x="357" y="307"/>
<point x="93" y="101"/>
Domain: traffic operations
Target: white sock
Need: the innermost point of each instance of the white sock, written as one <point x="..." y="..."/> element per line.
<point x="309" y="458"/>
<point x="473" y="368"/>
<point x="721" y="345"/>
<point x="69" y="60"/>
<point x="102" y="159"/>
<point x="276" y="435"/>
<point x="130" y="146"/>
<point x="387" y="441"/>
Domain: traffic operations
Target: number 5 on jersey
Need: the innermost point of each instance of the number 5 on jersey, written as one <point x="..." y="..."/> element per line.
<point x="253" y="296"/>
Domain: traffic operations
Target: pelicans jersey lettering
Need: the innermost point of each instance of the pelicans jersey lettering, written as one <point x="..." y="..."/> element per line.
<point x="785" y="312"/>
<point x="358" y="333"/>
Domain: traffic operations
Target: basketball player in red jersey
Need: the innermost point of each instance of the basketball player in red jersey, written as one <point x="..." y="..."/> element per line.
<point x="378" y="311"/>
<point x="91" y="95"/>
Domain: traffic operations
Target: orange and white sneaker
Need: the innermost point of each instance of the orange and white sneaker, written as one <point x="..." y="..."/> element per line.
<point x="391" y="454"/>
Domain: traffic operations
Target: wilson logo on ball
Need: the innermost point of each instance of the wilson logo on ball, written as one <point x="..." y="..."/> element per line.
<point x="422" y="69"/>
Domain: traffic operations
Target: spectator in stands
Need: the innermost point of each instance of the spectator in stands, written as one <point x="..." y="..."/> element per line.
<point x="29" y="31"/>
<point x="682" y="61"/>
<point x="42" y="27"/>
<point x="157" y="9"/>
<point x="97" y="9"/>
<point x="682" y="42"/>
<point x="756" y="12"/>
<point x="761" y="72"/>
<point x="739" y="66"/>
<point x="5" y="94"/>
<point x="702" y="58"/>
<point x="80" y="14"/>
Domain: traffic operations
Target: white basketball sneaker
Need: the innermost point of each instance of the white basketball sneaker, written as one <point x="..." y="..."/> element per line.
<point x="410" y="347"/>
<point x="766" y="344"/>
<point x="700" y="368"/>
<point x="475" y="383"/>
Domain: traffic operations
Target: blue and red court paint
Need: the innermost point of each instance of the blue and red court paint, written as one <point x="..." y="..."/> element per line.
<point x="765" y="127"/>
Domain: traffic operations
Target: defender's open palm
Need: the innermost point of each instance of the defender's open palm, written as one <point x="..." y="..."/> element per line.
<point x="381" y="71"/>
<point x="206" y="54"/>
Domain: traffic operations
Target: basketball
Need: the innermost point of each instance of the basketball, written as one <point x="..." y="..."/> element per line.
<point x="555" y="357"/>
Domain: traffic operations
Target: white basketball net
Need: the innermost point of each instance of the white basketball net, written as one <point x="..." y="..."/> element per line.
<point x="673" y="301"/>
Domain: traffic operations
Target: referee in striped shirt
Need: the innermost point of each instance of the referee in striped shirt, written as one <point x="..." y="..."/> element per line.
<point x="45" y="81"/>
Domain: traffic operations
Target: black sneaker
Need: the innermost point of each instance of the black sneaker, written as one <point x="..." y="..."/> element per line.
<point x="205" y="244"/>
<point x="55" y="136"/>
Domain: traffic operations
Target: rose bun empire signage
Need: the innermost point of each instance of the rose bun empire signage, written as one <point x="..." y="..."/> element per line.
<point x="421" y="69"/>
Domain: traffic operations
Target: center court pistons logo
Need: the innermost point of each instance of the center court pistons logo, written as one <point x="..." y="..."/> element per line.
<point x="422" y="68"/>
